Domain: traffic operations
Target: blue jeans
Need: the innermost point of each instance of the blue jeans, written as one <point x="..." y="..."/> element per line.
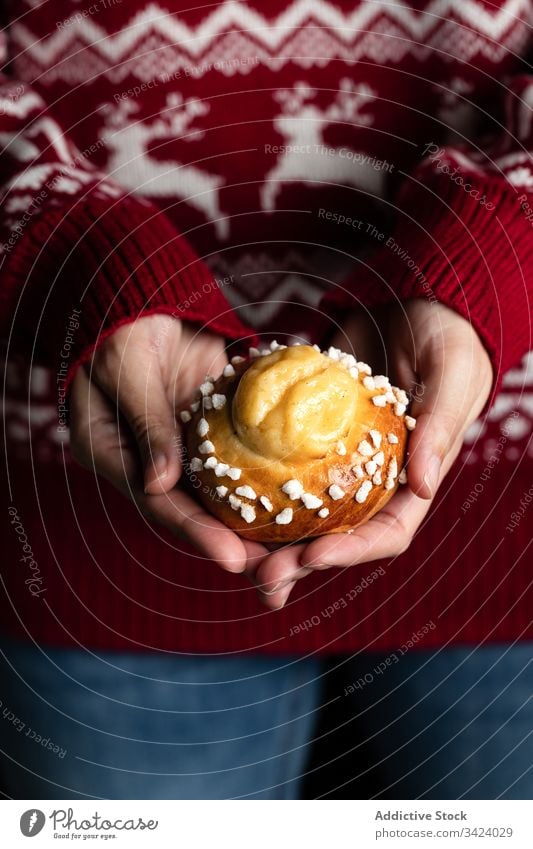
<point x="132" y="726"/>
<point x="447" y="724"/>
<point x="450" y="724"/>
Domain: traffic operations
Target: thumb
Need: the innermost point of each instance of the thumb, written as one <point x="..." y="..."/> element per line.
<point x="140" y="396"/>
<point x="442" y="414"/>
<point x="152" y="420"/>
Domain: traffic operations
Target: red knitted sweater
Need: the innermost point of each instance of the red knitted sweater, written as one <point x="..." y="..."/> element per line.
<point x="163" y="158"/>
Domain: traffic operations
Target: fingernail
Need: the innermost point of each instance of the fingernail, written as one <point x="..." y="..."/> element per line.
<point x="432" y="475"/>
<point x="283" y="594"/>
<point x="330" y="559"/>
<point x="312" y="564"/>
<point x="235" y="569"/>
<point x="158" y="470"/>
<point x="275" y="588"/>
<point x="326" y="559"/>
<point x="301" y="573"/>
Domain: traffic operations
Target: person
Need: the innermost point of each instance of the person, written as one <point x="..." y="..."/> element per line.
<point x="176" y="182"/>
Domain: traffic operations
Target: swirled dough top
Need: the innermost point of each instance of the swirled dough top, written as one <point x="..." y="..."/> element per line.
<point x="294" y="405"/>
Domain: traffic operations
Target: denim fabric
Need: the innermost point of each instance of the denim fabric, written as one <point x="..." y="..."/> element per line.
<point x="450" y="724"/>
<point x="154" y="726"/>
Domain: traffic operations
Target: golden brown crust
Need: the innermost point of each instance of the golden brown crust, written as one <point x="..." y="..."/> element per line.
<point x="314" y="477"/>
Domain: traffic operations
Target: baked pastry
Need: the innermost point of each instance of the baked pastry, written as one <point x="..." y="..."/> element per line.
<point x="294" y="442"/>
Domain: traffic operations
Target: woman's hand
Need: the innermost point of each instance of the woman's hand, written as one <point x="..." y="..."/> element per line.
<point x="436" y="355"/>
<point x="123" y="425"/>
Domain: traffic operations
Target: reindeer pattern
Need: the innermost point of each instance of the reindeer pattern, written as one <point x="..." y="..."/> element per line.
<point x="297" y="118"/>
<point x="132" y="166"/>
<point x="302" y="124"/>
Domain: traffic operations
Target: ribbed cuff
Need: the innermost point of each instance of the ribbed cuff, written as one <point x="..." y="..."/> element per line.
<point x="476" y="258"/>
<point x="98" y="264"/>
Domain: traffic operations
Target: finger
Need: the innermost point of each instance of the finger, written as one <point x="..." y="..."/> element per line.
<point x="277" y="599"/>
<point x="276" y="571"/>
<point x="387" y="535"/>
<point x="442" y="415"/>
<point x="100" y="445"/>
<point x="258" y="553"/>
<point x="97" y="441"/>
<point x="133" y="381"/>
<point x="184" y="517"/>
<point x="255" y="554"/>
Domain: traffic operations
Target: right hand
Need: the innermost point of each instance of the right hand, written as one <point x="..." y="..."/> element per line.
<point x="420" y="344"/>
<point x="123" y="426"/>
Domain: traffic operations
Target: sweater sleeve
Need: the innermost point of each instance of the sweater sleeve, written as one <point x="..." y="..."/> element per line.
<point x="72" y="240"/>
<point x="463" y="236"/>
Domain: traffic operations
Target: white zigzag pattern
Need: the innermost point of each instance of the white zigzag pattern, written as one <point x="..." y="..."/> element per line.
<point x="385" y="32"/>
<point x="263" y="311"/>
<point x="306" y="50"/>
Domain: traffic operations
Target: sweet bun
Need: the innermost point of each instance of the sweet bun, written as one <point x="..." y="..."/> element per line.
<point x="294" y="442"/>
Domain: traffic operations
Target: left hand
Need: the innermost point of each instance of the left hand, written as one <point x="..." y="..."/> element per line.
<point x="124" y="427"/>
<point x="427" y="349"/>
